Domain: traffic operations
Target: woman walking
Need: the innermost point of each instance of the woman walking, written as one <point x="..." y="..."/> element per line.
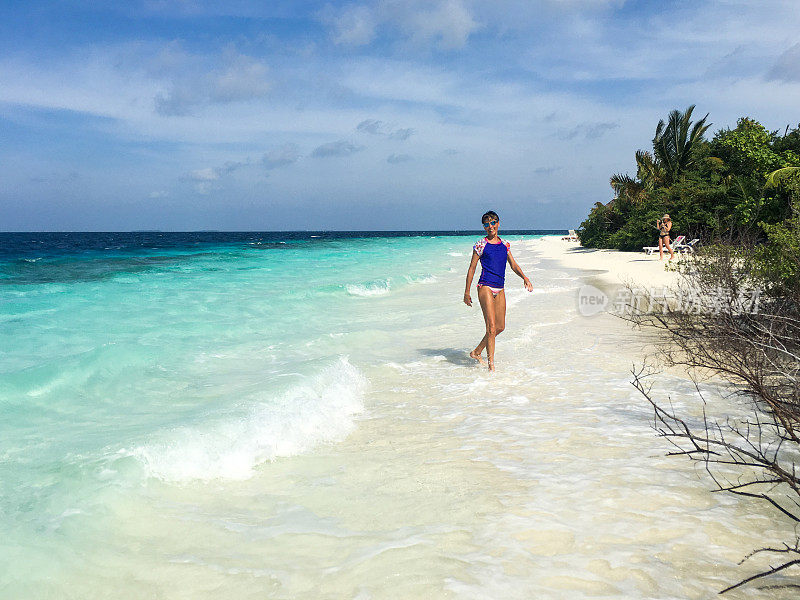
<point x="493" y="254"/>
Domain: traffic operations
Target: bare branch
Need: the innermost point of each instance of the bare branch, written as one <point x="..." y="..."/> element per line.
<point x="757" y="354"/>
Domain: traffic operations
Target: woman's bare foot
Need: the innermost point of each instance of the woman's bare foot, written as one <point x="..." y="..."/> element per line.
<point x="491" y="365"/>
<point x="476" y="356"/>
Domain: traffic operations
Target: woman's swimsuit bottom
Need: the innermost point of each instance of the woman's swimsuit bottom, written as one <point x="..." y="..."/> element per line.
<point x="494" y="290"/>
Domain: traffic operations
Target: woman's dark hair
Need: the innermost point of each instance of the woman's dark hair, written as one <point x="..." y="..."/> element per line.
<point x="490" y="215"/>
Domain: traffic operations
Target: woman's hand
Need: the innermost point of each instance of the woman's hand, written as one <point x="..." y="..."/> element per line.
<point x="467" y="299"/>
<point x="527" y="283"/>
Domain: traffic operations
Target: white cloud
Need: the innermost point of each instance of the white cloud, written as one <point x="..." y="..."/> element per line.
<point x="587" y="42"/>
<point x="589" y="131"/>
<point x="377" y="127"/>
<point x="400" y="80"/>
<point x="208" y="174"/>
<point x="787" y="67"/>
<point x="281" y="157"/>
<point x="204" y="187"/>
<point x="353" y="26"/>
<point x="372" y="126"/>
<point x="394" y="159"/>
<point x="205" y="180"/>
<point x="240" y="78"/>
<point x="742" y="61"/>
<point x="135" y="83"/>
<point x="445" y="24"/>
<point x="546" y="170"/>
<point x="86" y="81"/>
<point x="402" y="134"/>
<point x="339" y="148"/>
<point x="208" y="179"/>
<point x="237" y="78"/>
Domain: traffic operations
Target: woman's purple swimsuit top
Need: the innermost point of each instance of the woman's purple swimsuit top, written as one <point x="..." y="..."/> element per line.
<point x="493" y="262"/>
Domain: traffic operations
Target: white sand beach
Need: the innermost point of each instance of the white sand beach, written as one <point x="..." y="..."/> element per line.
<point x="612" y="266"/>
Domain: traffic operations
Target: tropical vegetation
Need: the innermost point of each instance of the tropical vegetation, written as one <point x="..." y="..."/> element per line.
<point x="739" y="182"/>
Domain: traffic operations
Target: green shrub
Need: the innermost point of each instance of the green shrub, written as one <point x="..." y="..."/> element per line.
<point x="712" y="190"/>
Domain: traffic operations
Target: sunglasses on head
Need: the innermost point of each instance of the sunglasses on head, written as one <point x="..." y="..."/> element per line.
<point x="490" y="224"/>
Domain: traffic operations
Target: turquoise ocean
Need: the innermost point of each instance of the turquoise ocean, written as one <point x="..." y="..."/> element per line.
<point x="293" y="415"/>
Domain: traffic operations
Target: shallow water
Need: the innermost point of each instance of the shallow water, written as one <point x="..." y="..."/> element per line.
<point x="301" y="420"/>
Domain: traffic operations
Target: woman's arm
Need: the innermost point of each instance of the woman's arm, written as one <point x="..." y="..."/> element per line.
<point x="516" y="268"/>
<point x="470" y="274"/>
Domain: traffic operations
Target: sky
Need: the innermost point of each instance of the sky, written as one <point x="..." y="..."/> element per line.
<point x="383" y="115"/>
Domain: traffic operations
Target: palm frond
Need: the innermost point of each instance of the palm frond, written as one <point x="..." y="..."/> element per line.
<point x="783" y="176"/>
<point x="648" y="170"/>
<point x="676" y="142"/>
<point x="626" y="187"/>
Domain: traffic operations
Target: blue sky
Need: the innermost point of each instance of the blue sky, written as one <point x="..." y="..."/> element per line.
<point x="362" y="115"/>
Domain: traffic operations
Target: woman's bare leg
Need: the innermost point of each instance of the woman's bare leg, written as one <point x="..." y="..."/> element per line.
<point x="500" y="312"/>
<point x="482" y="345"/>
<point x="499" y="319"/>
<point x="489" y="305"/>
<point x="671" y="253"/>
<point x="660" y="248"/>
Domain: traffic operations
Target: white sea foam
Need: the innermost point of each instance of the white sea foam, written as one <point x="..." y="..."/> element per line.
<point x="321" y="410"/>
<point x="371" y="288"/>
<point x="420" y="278"/>
<point x="455" y="254"/>
<point x="550" y="289"/>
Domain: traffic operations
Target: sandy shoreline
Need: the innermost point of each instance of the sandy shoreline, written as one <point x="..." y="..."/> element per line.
<point x="613" y="266"/>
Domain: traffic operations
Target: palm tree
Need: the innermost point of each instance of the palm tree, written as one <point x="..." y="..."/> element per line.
<point x="676" y="142"/>
<point x="675" y="148"/>
<point x="625" y="186"/>
<point x="649" y="175"/>
<point x="648" y="170"/>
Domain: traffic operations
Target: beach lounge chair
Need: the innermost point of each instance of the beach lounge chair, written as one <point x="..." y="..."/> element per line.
<point x="687" y="247"/>
<point x="572" y="237"/>
<point x="676" y="242"/>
